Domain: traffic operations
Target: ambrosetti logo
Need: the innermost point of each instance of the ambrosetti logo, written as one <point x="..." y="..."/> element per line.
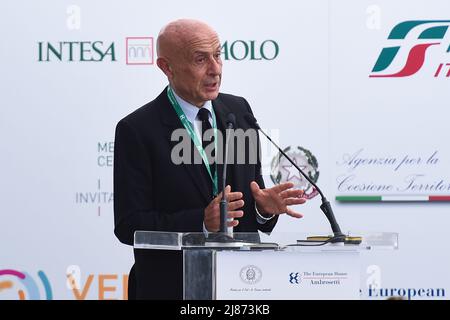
<point x="410" y="42"/>
<point x="250" y="50"/>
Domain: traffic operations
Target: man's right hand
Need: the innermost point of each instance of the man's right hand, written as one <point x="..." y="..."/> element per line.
<point x="212" y="211"/>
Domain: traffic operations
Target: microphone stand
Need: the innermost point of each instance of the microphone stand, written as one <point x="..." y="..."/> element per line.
<point x="224" y="201"/>
<point x="338" y="236"/>
<point x="224" y="235"/>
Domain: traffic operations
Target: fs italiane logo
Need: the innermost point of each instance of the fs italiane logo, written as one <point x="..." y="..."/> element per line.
<point x="22" y="286"/>
<point x="413" y="39"/>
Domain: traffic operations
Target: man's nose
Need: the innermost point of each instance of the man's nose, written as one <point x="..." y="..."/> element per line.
<point x="215" y="66"/>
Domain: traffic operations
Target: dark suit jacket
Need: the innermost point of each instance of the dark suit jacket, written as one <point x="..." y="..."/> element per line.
<point x="152" y="193"/>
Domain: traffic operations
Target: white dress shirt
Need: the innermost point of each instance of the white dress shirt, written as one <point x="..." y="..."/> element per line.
<point x="191" y="112"/>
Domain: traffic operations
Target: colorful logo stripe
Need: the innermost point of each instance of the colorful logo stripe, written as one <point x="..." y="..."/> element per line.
<point x="46" y="284"/>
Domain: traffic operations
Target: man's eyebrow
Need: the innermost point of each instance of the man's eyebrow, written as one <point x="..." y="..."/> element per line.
<point x="201" y="52"/>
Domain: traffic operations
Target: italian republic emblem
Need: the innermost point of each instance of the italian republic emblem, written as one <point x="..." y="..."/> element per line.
<point x="283" y="171"/>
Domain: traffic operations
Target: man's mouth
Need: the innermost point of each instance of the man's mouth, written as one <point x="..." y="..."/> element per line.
<point x="212" y="85"/>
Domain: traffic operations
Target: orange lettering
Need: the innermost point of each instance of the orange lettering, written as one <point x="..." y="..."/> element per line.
<point x="101" y="285"/>
<point x="86" y="287"/>
<point x="125" y="286"/>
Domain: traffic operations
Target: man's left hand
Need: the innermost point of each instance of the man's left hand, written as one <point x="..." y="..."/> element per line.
<point x="276" y="200"/>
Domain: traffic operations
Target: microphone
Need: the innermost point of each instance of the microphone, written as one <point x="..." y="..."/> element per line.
<point x="225" y="236"/>
<point x="326" y="206"/>
<point x="231" y="124"/>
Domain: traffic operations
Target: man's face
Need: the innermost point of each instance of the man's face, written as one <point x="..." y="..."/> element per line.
<point x="197" y="69"/>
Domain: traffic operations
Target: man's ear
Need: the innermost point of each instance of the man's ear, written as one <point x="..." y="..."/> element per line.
<point x="164" y="65"/>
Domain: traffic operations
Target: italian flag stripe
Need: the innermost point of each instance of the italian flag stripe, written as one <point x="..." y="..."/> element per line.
<point x="403" y="198"/>
<point x="439" y="198"/>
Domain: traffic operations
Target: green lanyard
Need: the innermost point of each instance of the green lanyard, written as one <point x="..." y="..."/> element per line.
<point x="195" y="138"/>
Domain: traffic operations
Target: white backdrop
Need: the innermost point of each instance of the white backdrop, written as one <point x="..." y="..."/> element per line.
<point x="58" y="113"/>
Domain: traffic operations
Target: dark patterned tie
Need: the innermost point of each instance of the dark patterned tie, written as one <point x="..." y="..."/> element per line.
<point x="203" y="116"/>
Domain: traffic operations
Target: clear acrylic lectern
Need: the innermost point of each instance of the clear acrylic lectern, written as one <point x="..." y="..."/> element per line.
<point x="281" y="265"/>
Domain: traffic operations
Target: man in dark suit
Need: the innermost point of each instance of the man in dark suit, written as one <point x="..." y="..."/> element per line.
<point x="153" y="192"/>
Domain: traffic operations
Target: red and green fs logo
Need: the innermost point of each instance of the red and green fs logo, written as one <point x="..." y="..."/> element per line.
<point x="430" y="36"/>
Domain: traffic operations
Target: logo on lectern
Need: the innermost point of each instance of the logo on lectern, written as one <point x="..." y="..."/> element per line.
<point x="250" y="274"/>
<point x="294" y="278"/>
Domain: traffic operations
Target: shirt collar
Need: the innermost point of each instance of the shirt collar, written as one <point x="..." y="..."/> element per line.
<point x="189" y="109"/>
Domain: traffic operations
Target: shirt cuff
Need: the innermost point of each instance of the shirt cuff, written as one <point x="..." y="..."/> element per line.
<point x="260" y="218"/>
<point x="205" y="231"/>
